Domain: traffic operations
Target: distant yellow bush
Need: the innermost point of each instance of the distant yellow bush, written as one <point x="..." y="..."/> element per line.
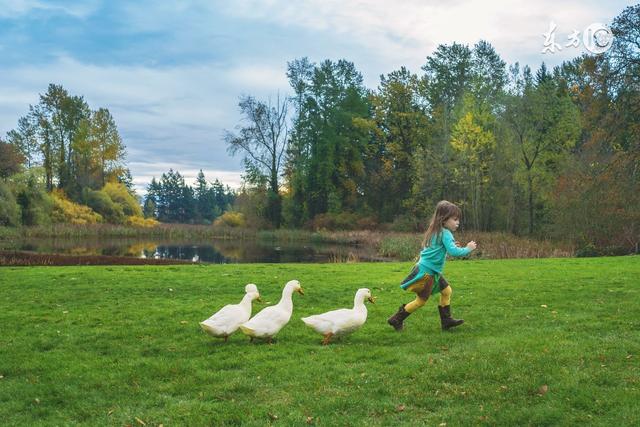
<point x="230" y="219"/>
<point x="64" y="210"/>
<point x="121" y="196"/>
<point x="138" y="221"/>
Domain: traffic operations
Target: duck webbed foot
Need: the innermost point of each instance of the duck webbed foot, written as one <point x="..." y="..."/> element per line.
<point x="327" y="338"/>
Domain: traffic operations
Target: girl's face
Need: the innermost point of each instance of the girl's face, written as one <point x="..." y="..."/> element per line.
<point x="452" y="224"/>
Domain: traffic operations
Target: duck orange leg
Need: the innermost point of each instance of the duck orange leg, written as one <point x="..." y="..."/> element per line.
<point x="327" y="337"/>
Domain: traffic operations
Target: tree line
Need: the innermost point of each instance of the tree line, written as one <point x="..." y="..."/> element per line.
<point x="535" y="152"/>
<point x="171" y="200"/>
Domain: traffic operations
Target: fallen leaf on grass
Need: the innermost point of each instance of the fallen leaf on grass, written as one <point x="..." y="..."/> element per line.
<point x="273" y="416"/>
<point x="36" y="400"/>
<point x="139" y="421"/>
<point x="400" y="408"/>
<point x="309" y="420"/>
<point x="543" y="390"/>
<point x="184" y="322"/>
<point x="544" y="306"/>
<point x="110" y="411"/>
<point x="628" y="357"/>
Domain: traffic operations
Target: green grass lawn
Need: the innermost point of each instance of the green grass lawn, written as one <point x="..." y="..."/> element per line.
<point x="546" y="342"/>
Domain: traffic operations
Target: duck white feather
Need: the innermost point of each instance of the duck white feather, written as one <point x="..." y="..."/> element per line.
<point x="229" y="318"/>
<point x="268" y="322"/>
<point x="343" y="321"/>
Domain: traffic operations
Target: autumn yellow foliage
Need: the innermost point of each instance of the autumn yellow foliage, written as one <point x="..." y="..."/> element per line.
<point x="121" y="196"/>
<point x="138" y="221"/>
<point x="66" y="211"/>
<point x="230" y="219"/>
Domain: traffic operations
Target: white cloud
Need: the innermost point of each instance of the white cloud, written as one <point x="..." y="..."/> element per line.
<point x="260" y="77"/>
<point x="404" y="33"/>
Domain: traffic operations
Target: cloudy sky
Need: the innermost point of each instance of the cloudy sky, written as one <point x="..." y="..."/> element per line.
<point x="171" y="72"/>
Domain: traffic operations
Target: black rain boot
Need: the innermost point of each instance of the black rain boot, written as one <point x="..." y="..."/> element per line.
<point x="446" y="320"/>
<point x="397" y="319"/>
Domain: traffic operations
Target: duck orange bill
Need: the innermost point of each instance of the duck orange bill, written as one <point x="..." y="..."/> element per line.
<point x="300" y="291"/>
<point x="372" y="300"/>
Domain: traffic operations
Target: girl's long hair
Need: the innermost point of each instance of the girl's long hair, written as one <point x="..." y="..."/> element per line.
<point x="444" y="211"/>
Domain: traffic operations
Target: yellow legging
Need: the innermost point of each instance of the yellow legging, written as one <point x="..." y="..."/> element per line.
<point x="423" y="288"/>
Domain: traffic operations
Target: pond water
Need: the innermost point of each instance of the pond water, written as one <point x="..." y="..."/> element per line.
<point x="213" y="251"/>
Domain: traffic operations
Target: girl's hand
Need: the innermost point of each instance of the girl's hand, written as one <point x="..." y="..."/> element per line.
<point x="471" y="245"/>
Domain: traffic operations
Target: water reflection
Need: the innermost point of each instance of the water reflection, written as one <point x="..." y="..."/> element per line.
<point x="217" y="251"/>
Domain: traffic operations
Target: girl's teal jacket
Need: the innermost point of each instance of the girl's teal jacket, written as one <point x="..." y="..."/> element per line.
<point x="432" y="257"/>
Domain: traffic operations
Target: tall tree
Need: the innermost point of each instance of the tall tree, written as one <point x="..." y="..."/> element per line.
<point x="474" y="145"/>
<point x="325" y="164"/>
<point x="399" y="126"/>
<point x="545" y="123"/>
<point x="63" y="114"/>
<point x="105" y="139"/>
<point x="11" y="159"/>
<point x="25" y="138"/>
<point x="152" y="199"/>
<point x="263" y="140"/>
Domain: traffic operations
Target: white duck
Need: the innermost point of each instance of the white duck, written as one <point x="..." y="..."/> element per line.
<point x="226" y="321"/>
<point x="343" y="321"/>
<point x="268" y="322"/>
